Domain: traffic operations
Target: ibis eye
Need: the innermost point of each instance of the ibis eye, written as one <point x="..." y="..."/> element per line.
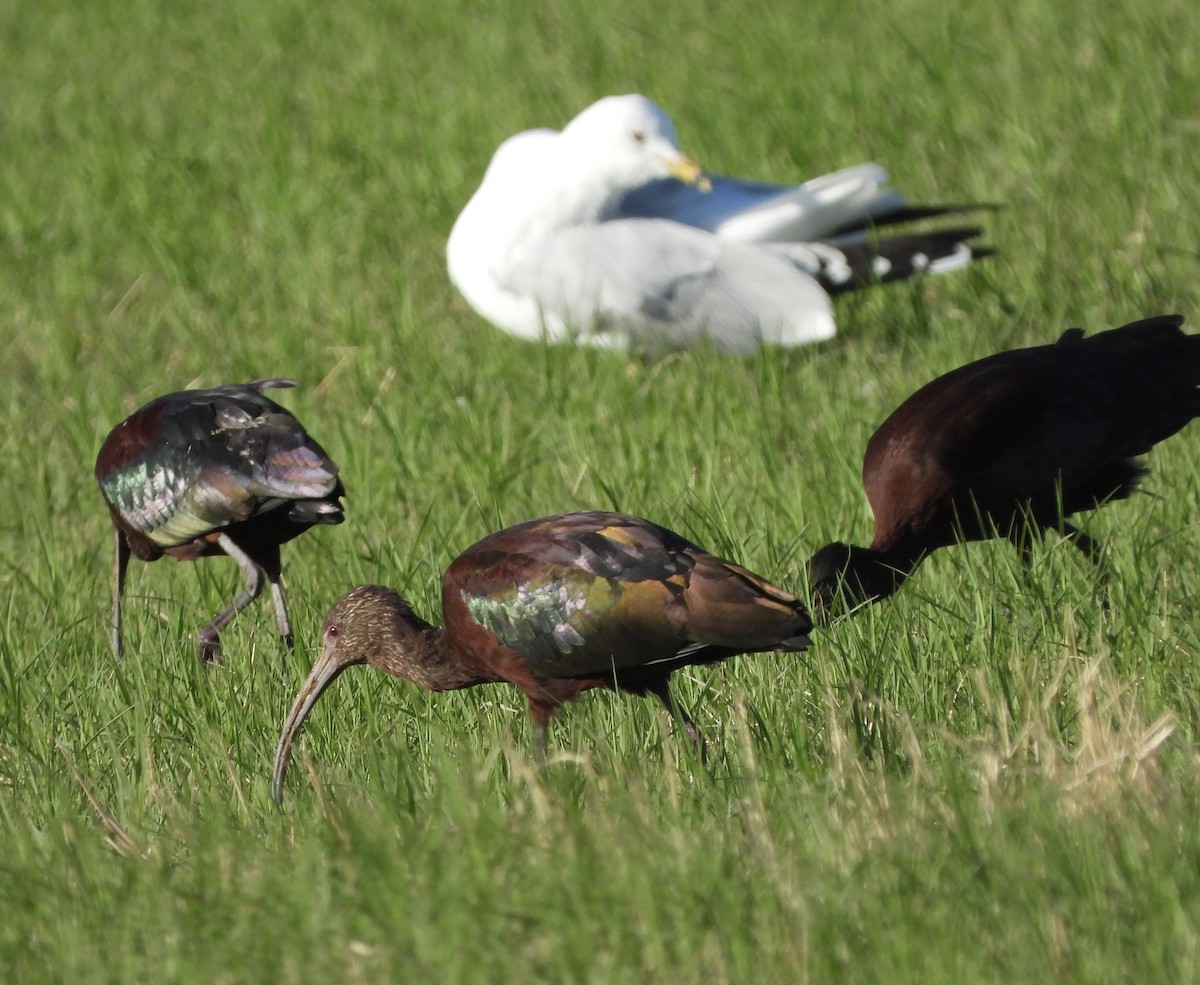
<point x="638" y="136"/>
<point x="331" y="633"/>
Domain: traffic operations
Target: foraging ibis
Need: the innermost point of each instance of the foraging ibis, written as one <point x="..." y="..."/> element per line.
<point x="1011" y="445"/>
<point x="219" y="471"/>
<point x="557" y="606"/>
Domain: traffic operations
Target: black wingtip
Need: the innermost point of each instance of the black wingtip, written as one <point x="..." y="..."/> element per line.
<point x="890" y="258"/>
<point x="909" y="213"/>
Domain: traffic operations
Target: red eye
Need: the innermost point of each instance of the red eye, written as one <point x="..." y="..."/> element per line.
<point x="331" y="633"/>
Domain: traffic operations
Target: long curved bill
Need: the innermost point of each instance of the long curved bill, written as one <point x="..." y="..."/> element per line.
<point x="323" y="673"/>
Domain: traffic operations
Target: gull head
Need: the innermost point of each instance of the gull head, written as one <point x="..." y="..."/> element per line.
<point x="627" y="141"/>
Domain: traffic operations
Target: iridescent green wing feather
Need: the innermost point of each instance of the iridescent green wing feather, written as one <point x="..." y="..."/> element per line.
<point x="552" y="622"/>
<point x="201" y="460"/>
<point x="577" y="595"/>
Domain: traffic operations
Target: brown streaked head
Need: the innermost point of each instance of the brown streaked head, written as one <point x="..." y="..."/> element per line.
<point x="356" y="630"/>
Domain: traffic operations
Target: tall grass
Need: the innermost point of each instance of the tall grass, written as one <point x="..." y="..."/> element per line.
<point x="991" y="778"/>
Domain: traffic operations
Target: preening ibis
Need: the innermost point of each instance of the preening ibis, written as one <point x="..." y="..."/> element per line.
<point x="218" y="471"/>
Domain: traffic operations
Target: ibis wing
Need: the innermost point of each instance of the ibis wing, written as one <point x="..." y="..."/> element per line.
<point x="564" y="625"/>
<point x="153" y="495"/>
<point x="592" y="593"/>
<point x="579" y="594"/>
<point x="201" y="460"/>
<point x="271" y="453"/>
<point x="1024" y="436"/>
<point x="1077" y="412"/>
<point x="1017" y="426"/>
<point x="731" y="607"/>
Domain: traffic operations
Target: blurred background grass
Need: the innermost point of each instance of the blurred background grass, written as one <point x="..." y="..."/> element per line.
<point x="963" y="785"/>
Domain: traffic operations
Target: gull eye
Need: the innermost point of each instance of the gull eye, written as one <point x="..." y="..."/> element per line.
<point x="639" y="137"/>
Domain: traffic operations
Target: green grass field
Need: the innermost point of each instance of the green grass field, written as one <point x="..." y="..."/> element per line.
<point x="989" y="779"/>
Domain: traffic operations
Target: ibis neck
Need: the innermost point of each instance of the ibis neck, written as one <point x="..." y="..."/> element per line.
<point x="426" y="657"/>
<point x="882" y="572"/>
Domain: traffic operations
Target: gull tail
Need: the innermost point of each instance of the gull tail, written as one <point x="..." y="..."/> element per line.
<point x="852" y="266"/>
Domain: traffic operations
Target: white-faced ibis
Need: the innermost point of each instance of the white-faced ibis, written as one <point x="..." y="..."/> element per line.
<point x="1011" y="445"/>
<point x="606" y="234"/>
<point x="557" y="606"/>
<point x="219" y="471"/>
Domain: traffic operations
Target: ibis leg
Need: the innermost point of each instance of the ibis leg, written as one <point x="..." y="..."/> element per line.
<point x="120" y="566"/>
<point x="1091" y="549"/>
<point x="210" y="635"/>
<point x="273" y="569"/>
<point x="662" y="690"/>
<point x="1021" y="537"/>
<point x="539" y="745"/>
<point x="540" y="714"/>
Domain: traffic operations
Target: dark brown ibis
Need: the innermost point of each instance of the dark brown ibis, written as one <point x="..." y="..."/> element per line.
<point x="557" y="606"/>
<point x="219" y="471"/>
<point x="1011" y="445"/>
